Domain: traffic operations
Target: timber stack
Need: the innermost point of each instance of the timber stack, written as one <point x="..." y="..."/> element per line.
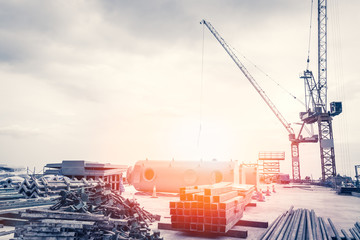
<point x="210" y="208"/>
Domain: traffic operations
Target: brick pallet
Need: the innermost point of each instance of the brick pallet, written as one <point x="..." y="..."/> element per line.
<point x="210" y="208"/>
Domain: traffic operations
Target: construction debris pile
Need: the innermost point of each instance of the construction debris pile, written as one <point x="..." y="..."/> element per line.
<point x="304" y="224"/>
<point x="52" y="185"/>
<point x="210" y="208"/>
<point x="10" y="198"/>
<point x="89" y="213"/>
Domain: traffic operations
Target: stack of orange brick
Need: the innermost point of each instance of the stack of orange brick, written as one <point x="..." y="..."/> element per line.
<point x="210" y="208"/>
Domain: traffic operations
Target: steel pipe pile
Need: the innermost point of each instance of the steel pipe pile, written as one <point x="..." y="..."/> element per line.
<point x="210" y="208"/>
<point x="304" y="224"/>
<point x="354" y="232"/>
<point x="11" y="182"/>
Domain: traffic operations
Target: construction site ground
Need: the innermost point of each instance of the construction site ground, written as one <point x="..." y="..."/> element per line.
<point x="344" y="210"/>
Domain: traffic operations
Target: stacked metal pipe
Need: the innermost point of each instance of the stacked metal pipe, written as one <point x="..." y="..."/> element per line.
<point x="304" y="224"/>
<point x="210" y="208"/>
<point x="10" y="182"/>
<point x="45" y="186"/>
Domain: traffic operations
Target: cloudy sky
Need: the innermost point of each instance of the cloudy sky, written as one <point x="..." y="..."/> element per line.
<point x="121" y="81"/>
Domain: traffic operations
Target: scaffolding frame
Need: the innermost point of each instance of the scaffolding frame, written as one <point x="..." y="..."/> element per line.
<point x="269" y="164"/>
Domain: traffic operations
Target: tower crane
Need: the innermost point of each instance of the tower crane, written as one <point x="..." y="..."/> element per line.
<point x="316" y="99"/>
<point x="295" y="140"/>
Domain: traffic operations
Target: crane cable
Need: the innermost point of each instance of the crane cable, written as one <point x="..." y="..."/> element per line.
<point x="309" y="41"/>
<point x="268" y="76"/>
<point x="346" y="161"/>
<point x="201" y="85"/>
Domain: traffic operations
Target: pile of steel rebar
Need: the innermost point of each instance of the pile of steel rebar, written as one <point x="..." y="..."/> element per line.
<point x="46" y="186"/>
<point x="89" y="213"/>
<point x="102" y="200"/>
<point x="304" y="224"/>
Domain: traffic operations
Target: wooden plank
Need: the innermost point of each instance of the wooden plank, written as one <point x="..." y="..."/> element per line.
<point x="236" y="232"/>
<point x="250" y="223"/>
<point x="251" y="205"/>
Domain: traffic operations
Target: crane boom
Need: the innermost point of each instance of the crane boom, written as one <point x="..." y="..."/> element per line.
<point x="250" y="78"/>
<point x="293" y="139"/>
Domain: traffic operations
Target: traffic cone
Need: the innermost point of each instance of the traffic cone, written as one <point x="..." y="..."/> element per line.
<point x="273" y="187"/>
<point x="268" y="191"/>
<point x="255" y="195"/>
<point x="261" y="197"/>
<point x="154" y="192"/>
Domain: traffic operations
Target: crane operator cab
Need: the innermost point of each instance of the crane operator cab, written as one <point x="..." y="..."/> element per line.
<point x="335" y="108"/>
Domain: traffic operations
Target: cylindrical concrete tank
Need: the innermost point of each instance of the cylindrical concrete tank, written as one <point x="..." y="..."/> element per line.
<point x="170" y="176"/>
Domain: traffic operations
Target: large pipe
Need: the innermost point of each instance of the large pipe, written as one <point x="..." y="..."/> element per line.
<point x="170" y="176"/>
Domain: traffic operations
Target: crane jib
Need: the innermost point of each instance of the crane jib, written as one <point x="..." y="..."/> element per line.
<point x="249" y="76"/>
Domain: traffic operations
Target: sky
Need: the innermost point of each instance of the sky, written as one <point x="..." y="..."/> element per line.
<point x="122" y="81"/>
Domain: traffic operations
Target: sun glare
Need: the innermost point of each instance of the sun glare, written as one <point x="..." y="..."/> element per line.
<point x="215" y="140"/>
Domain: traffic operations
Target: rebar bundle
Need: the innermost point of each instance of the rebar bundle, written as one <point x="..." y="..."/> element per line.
<point x="304" y="224"/>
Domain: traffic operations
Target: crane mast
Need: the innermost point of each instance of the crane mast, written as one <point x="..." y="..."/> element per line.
<point x="294" y="140"/>
<point x="316" y="99"/>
